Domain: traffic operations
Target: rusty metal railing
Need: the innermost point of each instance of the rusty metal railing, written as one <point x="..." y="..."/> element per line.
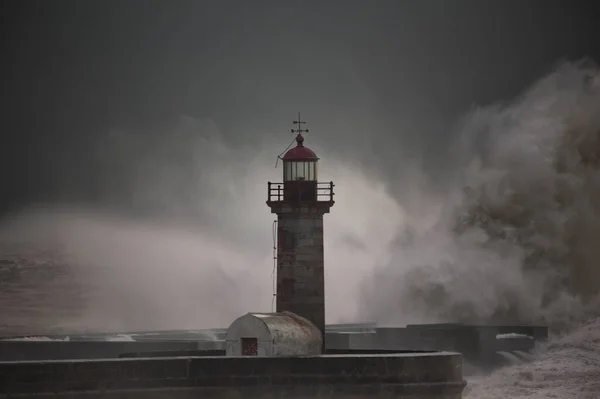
<point x="324" y="192"/>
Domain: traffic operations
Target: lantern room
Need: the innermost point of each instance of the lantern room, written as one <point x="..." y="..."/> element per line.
<point x="300" y="163"/>
<point x="300" y="175"/>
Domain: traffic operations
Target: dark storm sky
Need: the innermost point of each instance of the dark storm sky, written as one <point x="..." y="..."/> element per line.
<point x="386" y="74"/>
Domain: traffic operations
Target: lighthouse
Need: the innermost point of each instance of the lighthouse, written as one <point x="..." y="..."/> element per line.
<point x="300" y="203"/>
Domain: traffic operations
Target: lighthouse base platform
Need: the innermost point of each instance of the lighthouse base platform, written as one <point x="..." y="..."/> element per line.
<point x="416" y="376"/>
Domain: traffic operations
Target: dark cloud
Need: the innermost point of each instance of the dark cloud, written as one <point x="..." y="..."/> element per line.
<point x="377" y="81"/>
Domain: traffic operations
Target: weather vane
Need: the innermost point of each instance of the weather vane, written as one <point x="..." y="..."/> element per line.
<point x="299" y="122"/>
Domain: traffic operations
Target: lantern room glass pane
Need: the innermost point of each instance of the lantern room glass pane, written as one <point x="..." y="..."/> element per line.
<point x="310" y="174"/>
<point x="300" y="170"/>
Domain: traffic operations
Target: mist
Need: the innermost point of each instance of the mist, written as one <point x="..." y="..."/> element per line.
<point x="183" y="237"/>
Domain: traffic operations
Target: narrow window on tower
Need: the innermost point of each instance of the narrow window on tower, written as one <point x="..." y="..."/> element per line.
<point x="287" y="288"/>
<point x="281" y="239"/>
<point x="287" y="240"/>
<point x="291" y="240"/>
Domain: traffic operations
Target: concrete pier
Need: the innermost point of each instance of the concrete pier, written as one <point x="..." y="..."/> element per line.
<point x="415" y="376"/>
<point x="65" y="350"/>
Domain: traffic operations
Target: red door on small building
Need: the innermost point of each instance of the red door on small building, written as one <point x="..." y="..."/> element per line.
<point x="249" y="347"/>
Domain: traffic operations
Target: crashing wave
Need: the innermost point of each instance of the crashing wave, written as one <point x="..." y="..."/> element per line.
<point x="515" y="239"/>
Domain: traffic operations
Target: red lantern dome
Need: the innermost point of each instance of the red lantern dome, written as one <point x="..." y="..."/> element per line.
<point x="300" y="152"/>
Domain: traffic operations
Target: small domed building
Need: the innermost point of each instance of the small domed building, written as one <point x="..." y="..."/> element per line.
<point x="273" y="334"/>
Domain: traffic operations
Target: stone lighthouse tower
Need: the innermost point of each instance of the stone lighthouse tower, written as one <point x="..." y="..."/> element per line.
<point x="300" y="203"/>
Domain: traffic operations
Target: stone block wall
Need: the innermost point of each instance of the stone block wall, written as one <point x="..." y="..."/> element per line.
<point x="300" y="264"/>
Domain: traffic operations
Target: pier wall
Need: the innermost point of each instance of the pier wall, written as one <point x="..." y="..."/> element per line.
<point x="66" y="350"/>
<point x="415" y="376"/>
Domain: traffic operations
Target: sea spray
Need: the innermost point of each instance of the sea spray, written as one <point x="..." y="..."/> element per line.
<point x="514" y="239"/>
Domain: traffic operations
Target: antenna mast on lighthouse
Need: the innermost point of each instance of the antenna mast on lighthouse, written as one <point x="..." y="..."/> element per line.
<point x="299" y="122"/>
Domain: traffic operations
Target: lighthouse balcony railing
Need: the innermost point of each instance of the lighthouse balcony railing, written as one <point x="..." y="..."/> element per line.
<point x="322" y="193"/>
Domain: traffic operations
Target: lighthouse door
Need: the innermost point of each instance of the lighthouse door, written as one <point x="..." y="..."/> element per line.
<point x="249" y="347"/>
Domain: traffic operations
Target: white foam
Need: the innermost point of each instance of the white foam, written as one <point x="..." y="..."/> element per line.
<point x="33" y="338"/>
<point x="512" y="335"/>
<point x="120" y="337"/>
<point x="568" y="369"/>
